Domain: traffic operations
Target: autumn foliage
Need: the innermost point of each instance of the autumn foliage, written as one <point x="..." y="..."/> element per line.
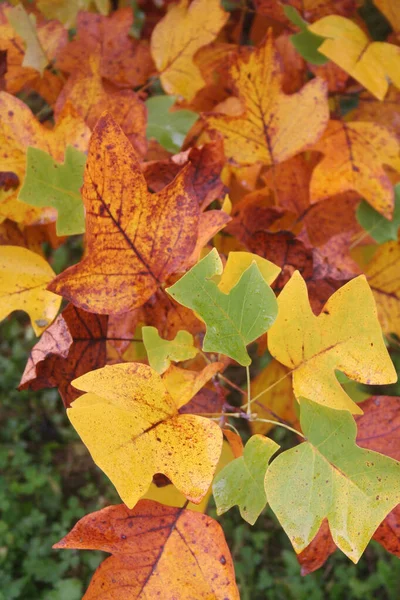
<point x="233" y="172"/>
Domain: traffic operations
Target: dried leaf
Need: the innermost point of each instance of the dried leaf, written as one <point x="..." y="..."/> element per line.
<point x="354" y="155"/>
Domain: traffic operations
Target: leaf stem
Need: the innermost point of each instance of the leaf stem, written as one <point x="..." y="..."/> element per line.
<point x="281" y="425"/>
<point x="248" y="391"/>
<point x="249" y="402"/>
<point x="233" y="385"/>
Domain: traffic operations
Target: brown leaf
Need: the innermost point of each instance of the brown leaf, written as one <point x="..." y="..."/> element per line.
<point x="74" y="345"/>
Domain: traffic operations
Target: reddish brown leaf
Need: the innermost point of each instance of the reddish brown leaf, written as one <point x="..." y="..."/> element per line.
<point x="125" y="61"/>
<point x="72" y="346"/>
<point x="316" y="553"/>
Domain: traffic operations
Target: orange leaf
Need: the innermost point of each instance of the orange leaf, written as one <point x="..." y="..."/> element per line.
<point x="158" y="551"/>
<point x="134" y="239"/>
<point x="274" y="126"/>
<point x="353" y="157"/>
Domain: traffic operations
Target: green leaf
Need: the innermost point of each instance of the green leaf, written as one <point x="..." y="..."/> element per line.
<point x="48" y="183"/>
<point x="241" y="482"/>
<point x="379" y="228"/>
<point x="160" y="352"/>
<point x="329" y="476"/>
<point x="235" y="319"/>
<point x="168" y="128"/>
<point x="305" y="42"/>
<point x="25" y="26"/>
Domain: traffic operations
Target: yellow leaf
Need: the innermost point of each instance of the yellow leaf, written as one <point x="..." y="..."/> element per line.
<point x="133" y="430"/>
<point x="345" y="336"/>
<point x="274" y="126"/>
<point x="170" y="496"/>
<point x="183" y="384"/>
<point x="383" y="274"/>
<point x="354" y="155"/>
<point x="371" y="63"/>
<point x="24" y="276"/>
<point x="177" y="37"/>
<point x="275" y="403"/>
<point x="237" y="264"/>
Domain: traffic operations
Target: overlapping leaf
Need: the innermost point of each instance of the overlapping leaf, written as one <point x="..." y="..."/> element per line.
<point x="134" y="239"/>
<point x="329" y="476"/>
<point x="48" y="183"/>
<point x="18" y="130"/>
<point x="354" y="155"/>
<point x="378" y="431"/>
<point x="178" y="36"/>
<point x="371" y="63"/>
<point x="345" y="336"/>
<point x="237" y="311"/>
<point x="383" y="276"/>
<point x="160" y="352"/>
<point x="241" y="482"/>
<point x="273" y="126"/>
<point x="75" y="344"/>
<point x="24" y="276"/>
<point x="133" y="430"/>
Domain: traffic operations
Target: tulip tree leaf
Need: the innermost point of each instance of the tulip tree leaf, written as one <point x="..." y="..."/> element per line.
<point x="241" y="482"/>
<point x="378" y="227"/>
<point x="160" y="352"/>
<point x="346" y="335"/>
<point x="329" y="476"/>
<point x="25" y="26"/>
<point x="305" y="42"/>
<point x="233" y="319"/>
<point x="48" y="183"/>
<point x="168" y="128"/>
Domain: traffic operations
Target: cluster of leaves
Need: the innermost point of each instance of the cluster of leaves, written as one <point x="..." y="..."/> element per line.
<point x="279" y="214"/>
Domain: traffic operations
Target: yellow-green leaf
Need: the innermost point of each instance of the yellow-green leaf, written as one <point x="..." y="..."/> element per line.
<point x="329" y="476"/>
<point x="241" y="482"/>
<point x="345" y="336"/>
<point x="161" y="352"/>
<point x="25" y="27"/>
